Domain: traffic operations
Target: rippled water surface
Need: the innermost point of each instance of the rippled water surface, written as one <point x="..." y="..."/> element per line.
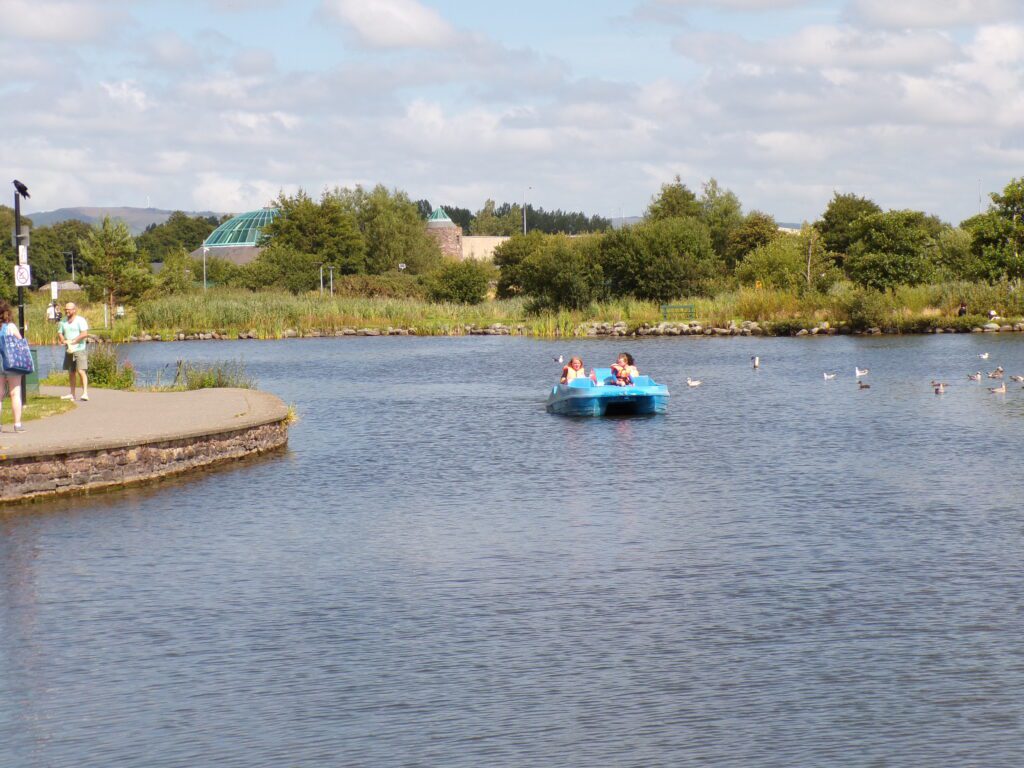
<point x="781" y="571"/>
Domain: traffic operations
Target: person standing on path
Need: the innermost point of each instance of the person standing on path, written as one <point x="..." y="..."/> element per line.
<point x="73" y="332"/>
<point x="10" y="381"/>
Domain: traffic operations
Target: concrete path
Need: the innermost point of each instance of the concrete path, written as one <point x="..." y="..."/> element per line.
<point x="114" y="419"/>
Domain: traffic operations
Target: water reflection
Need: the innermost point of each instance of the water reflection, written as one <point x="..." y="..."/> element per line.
<point x="779" y="571"/>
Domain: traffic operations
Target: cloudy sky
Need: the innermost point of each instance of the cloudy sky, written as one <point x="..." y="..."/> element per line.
<point x="579" y="104"/>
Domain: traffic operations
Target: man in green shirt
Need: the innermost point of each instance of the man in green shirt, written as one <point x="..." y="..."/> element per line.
<point x="73" y="332"/>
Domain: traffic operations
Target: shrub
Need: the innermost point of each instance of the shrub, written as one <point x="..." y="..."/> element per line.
<point x="229" y="373"/>
<point x="106" y="369"/>
<point x="868" y="309"/>
<point x="387" y="286"/>
<point x="460" y="282"/>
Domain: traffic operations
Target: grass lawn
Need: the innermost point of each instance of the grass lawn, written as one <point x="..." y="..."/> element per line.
<point x="39" y="407"/>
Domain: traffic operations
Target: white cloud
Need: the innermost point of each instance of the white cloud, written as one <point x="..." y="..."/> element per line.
<point x="220" y="192"/>
<point x="392" y="23"/>
<point x="126" y="93"/>
<point x="58" y="22"/>
<point x="933" y="13"/>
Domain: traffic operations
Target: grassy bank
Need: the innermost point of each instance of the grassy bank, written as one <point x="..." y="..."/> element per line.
<point x="38" y="407"/>
<point x="272" y="314"/>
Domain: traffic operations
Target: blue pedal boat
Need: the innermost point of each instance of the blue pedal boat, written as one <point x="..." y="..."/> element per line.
<point x="582" y="397"/>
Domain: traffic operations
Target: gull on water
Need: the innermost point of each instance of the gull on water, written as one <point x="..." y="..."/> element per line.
<point x="1000" y="390"/>
<point x="828" y="376"/>
<point x="858" y="372"/>
<point x="693" y="382"/>
<point x="983" y="355"/>
<point x="756" y="361"/>
<point x="976" y="376"/>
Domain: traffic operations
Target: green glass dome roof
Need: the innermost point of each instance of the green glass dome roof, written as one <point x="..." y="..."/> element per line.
<point x="244" y="229"/>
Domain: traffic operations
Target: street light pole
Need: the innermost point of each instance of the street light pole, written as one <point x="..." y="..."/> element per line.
<point x="330" y="269"/>
<point x="321" y="279"/>
<point x="72" y="255"/>
<point x="205" y="251"/>
<point x="524" y="208"/>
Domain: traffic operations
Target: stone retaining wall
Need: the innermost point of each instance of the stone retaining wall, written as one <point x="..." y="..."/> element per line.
<point x="32" y="477"/>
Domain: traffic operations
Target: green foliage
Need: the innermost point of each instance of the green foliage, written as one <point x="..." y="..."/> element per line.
<point x="106" y="369"/>
<point x="782" y="263"/>
<point x="177" y="275"/>
<point x="391" y="285"/>
<point x="997" y="236"/>
<point x="659" y="260"/>
<point x="117" y="273"/>
<point x="218" y="271"/>
<point x="755" y="230"/>
<point x="391" y="227"/>
<point x="231" y="373"/>
<point x="722" y="213"/>
<point x="51" y="250"/>
<point x="460" y="282"/>
<point x="836" y="224"/>
<point x="489" y="220"/>
<point x="562" y="273"/>
<point x="179" y="232"/>
<point x="953" y="257"/>
<point x="323" y="232"/>
<point x="508" y="258"/>
<point x="870" y="309"/>
<point x="674" y="201"/>
<point x="280" y="266"/>
<point x="892" y="248"/>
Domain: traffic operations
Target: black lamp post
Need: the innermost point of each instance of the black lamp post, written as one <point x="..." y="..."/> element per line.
<point x="20" y="239"/>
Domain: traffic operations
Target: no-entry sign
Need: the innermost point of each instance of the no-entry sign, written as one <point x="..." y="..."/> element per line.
<point x="22" y="275"/>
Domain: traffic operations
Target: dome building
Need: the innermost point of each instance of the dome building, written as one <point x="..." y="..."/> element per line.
<point x="446" y="232"/>
<point x="238" y="239"/>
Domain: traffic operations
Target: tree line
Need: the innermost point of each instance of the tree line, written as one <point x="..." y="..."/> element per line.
<point x="687" y="244"/>
<point x="700" y="245"/>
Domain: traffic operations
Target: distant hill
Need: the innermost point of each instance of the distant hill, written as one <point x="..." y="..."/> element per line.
<point x="137" y="219"/>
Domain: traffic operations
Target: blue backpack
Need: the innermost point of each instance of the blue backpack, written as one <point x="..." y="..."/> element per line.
<point x="15" y="354"/>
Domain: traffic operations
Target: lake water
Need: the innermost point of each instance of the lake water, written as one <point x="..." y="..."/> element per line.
<point x="781" y="571"/>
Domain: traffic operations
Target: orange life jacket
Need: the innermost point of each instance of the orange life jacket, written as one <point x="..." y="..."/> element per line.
<point x="625" y="372"/>
<point x="569" y="373"/>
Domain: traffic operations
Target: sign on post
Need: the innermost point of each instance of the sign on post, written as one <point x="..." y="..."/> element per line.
<point x="23" y="254"/>
<point x="53" y="290"/>
<point x="22" y="275"/>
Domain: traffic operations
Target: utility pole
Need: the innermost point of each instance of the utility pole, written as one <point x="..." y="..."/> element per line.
<point x="21" y="257"/>
<point x="65" y="254"/>
<point x="321" y="278"/>
<point x="330" y="269"/>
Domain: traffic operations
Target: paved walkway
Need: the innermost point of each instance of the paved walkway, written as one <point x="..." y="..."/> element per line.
<point x="113" y="419"/>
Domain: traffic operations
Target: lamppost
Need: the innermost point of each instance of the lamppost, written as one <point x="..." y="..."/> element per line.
<point x="321" y="278"/>
<point x="330" y="270"/>
<point x="65" y="254"/>
<point x="524" y="208"/>
<point x="205" y="251"/>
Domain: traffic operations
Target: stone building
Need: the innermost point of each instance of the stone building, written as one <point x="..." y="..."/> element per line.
<point x="446" y="232"/>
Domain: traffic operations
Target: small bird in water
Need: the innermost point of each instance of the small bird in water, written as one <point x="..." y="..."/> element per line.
<point x="940" y="388"/>
<point x="997" y="373"/>
<point x="976" y="376"/>
<point x="1017" y="378"/>
<point x="828" y="376"/>
<point x="559" y="359"/>
<point x="22" y="189"/>
<point x="756" y="361"/>
<point x="693" y="382"/>
<point x="983" y="355"/>
<point x="863" y="385"/>
<point x="858" y="372"/>
<point x="1000" y="390"/>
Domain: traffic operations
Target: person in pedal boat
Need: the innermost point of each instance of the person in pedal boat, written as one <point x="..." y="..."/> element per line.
<point x="624" y="369"/>
<point x="574" y="370"/>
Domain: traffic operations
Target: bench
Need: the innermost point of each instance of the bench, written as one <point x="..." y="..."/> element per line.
<point x="688" y="309"/>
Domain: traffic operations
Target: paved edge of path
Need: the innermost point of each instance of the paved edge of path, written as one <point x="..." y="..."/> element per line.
<point x="123" y="438"/>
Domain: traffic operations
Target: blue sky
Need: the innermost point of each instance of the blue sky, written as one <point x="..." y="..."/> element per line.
<point x="584" y="105"/>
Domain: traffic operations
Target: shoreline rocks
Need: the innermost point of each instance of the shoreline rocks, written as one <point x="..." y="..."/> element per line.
<point x="590" y="329"/>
